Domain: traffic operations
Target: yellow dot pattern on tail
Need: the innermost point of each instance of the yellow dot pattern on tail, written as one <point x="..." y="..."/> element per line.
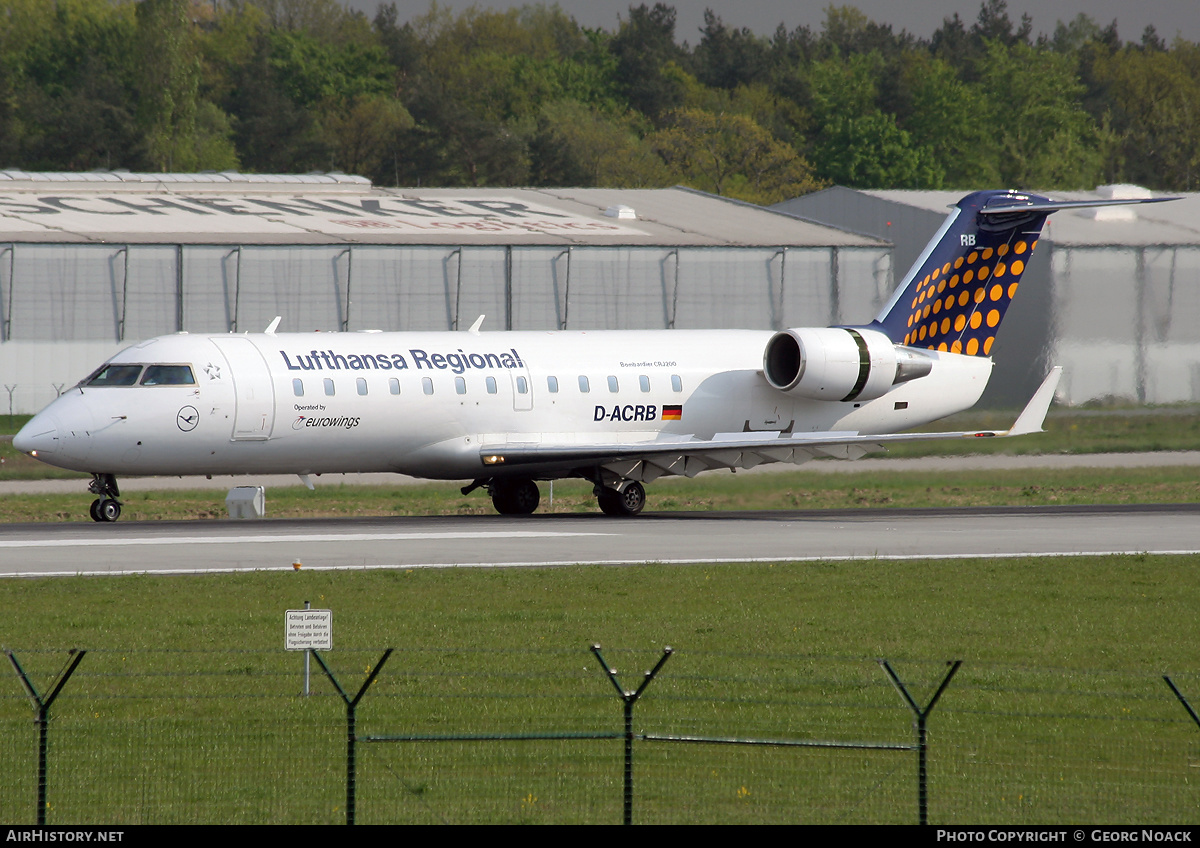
<point x="958" y="306"/>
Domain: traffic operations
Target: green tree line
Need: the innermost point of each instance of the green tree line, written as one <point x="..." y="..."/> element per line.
<point x="529" y="97"/>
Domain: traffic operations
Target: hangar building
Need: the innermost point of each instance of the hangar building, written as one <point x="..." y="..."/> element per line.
<point x="1112" y="295"/>
<point x="93" y="262"/>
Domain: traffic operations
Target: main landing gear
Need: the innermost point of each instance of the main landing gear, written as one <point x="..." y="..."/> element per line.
<point x="627" y="502"/>
<point x="106" y="507"/>
<point x="520" y="496"/>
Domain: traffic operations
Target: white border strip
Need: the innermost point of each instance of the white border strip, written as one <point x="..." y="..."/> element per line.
<point x="312" y="537"/>
<point x="610" y="562"/>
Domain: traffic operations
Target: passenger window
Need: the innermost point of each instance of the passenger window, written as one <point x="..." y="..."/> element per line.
<point x="583" y="384"/>
<point x="644" y="382"/>
<point x="460" y="385"/>
<point x="361" y="382"/>
<point x="329" y="386"/>
<point x="612" y="383"/>
<point x="552" y="384"/>
<point x="491" y="385"/>
<point x="168" y="375"/>
<point x="298" y="387"/>
<point x="115" y="375"/>
<point x="522" y="386"/>
<point x="676" y="383"/>
<point x="427" y="385"/>
<point x="394" y="385"/>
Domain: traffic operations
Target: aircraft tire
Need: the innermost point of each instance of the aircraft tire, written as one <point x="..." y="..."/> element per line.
<point x="516" y="497"/>
<point x="105" y="510"/>
<point x="624" y="504"/>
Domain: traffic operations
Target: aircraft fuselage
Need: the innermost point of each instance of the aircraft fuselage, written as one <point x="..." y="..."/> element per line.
<point x="425" y="403"/>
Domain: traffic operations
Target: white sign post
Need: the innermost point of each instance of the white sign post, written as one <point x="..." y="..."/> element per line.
<point x="308" y="630"/>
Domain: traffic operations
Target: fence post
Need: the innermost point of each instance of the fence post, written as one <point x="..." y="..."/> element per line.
<point x="629" y="699"/>
<point x="1182" y="700"/>
<point x="351" y="734"/>
<point x="921" y="717"/>
<point x="42" y="707"/>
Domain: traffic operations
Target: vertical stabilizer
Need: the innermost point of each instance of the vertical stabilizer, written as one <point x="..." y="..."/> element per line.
<point x="956" y="295"/>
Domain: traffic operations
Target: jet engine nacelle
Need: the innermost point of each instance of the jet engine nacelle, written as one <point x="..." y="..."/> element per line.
<point x="839" y="363"/>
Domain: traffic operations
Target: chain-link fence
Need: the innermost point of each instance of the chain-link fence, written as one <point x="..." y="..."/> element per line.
<point x="470" y="735"/>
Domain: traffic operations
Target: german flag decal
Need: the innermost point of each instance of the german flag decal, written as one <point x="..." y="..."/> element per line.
<point x="672" y="413"/>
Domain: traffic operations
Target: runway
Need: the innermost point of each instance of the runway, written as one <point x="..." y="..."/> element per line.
<point x="192" y="547"/>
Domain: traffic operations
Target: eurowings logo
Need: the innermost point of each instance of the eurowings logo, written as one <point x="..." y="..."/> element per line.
<point x="343" y="423"/>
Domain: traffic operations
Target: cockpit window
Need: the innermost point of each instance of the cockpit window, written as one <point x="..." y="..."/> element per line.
<point x="168" y="375"/>
<point x="115" y="375"/>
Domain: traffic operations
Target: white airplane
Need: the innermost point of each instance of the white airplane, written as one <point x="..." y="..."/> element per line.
<point x="507" y="409"/>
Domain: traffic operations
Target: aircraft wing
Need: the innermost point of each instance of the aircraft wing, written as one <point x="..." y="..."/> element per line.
<point x="688" y="455"/>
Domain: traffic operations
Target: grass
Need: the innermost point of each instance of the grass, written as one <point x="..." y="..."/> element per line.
<point x="713" y="491"/>
<point x="1072" y="431"/>
<point x="186" y="709"/>
<point x="1120" y="613"/>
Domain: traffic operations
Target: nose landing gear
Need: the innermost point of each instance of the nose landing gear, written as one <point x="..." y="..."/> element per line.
<point x="106" y="507"/>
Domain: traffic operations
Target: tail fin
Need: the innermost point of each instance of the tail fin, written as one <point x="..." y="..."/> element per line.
<point x="956" y="294"/>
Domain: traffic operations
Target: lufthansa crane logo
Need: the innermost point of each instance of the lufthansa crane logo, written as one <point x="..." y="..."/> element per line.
<point x="187" y="418"/>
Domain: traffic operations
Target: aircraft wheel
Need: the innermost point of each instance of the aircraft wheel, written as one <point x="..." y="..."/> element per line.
<point x="108" y="510"/>
<point x="516" y="497"/>
<point x="94" y="510"/>
<point x="610" y="502"/>
<point x="627" y="503"/>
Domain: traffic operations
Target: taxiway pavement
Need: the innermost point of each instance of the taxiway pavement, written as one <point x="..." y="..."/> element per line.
<point x="556" y="540"/>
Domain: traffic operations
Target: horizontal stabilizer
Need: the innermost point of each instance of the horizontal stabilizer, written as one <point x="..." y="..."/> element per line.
<point x="1049" y="206"/>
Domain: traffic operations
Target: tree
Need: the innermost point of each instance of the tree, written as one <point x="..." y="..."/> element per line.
<point x="854" y="142"/>
<point x="727" y="58"/>
<point x="273" y="132"/>
<point x="326" y="20"/>
<point x="966" y="48"/>
<point x="849" y="32"/>
<point x="67" y="99"/>
<point x="1044" y="137"/>
<point x="942" y="113"/>
<point x="645" y="48"/>
<point x="182" y="132"/>
<point x="577" y="145"/>
<point x="363" y="134"/>
<point x="993" y="24"/>
<point x="733" y="156"/>
<point x="1153" y="100"/>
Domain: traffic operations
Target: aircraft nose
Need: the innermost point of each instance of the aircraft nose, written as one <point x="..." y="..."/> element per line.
<point x="39" y="436"/>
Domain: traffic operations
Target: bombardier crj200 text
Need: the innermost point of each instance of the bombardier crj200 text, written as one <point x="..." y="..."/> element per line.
<point x="506" y="409"/>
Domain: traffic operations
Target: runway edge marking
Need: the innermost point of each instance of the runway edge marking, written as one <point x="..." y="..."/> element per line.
<point x="615" y="562"/>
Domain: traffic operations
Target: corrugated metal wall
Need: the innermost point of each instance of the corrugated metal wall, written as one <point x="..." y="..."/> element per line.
<point x="1126" y="322"/>
<point x="65" y="307"/>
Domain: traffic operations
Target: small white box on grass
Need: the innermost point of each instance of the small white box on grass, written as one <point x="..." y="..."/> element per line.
<point x="246" y="502"/>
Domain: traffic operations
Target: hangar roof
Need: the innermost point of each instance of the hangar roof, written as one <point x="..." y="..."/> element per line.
<point x="1174" y="223"/>
<point x="232" y="208"/>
